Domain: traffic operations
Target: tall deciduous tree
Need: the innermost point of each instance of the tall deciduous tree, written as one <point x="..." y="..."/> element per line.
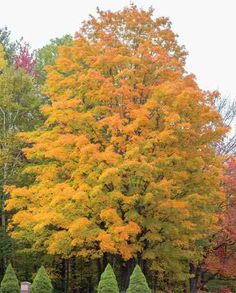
<point x="125" y="163"/>
<point x="19" y="111"/>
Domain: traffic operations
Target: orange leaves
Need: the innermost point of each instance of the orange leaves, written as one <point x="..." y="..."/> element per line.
<point x="130" y="229"/>
<point x="106" y="242"/>
<point x="175" y="204"/>
<point x="110" y="215"/>
<point x="115" y="240"/>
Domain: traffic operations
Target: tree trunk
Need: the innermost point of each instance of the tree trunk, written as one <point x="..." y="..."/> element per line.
<point x="194" y="281"/>
<point x="3" y="212"/>
<point x="104" y="261"/>
<point x="187" y="286"/>
<point x="125" y="273"/>
<point x="66" y="275"/>
<point x="74" y="284"/>
<point x="99" y="269"/>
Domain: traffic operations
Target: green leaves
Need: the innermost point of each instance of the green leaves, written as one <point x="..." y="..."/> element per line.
<point x="48" y="54"/>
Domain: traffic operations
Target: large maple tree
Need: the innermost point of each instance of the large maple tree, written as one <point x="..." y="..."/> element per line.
<point x="125" y="163"/>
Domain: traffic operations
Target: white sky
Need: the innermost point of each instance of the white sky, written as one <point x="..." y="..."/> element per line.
<point x="206" y="27"/>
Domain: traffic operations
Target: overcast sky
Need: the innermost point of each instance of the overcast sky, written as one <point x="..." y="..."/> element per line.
<point x="206" y="27"/>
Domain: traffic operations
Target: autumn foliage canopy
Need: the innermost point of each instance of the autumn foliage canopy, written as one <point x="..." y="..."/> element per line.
<point x="125" y="162"/>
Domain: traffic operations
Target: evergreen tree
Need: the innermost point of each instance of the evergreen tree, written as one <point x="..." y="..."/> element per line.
<point x="42" y="283"/>
<point x="10" y="283"/>
<point x="108" y="283"/>
<point x="138" y="283"/>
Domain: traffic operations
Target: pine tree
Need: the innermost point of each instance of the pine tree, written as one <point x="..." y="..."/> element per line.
<point x="108" y="283"/>
<point x="138" y="283"/>
<point x="10" y="283"/>
<point x="42" y="283"/>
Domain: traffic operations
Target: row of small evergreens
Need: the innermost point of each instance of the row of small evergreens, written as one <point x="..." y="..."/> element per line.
<point x="41" y="283"/>
<point x="107" y="284"/>
<point x="137" y="284"/>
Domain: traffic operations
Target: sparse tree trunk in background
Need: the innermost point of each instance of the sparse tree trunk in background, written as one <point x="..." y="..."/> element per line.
<point x="187" y="286"/>
<point x="4" y="179"/>
<point x="195" y="280"/>
<point x="66" y="275"/>
<point x="227" y="109"/>
<point x="74" y="270"/>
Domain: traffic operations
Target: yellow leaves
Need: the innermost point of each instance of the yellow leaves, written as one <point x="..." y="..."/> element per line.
<point x="24" y="218"/>
<point x="48" y="217"/>
<point x="175" y="204"/>
<point x="89" y="152"/>
<point x="49" y="172"/>
<point x="109" y="156"/>
<point x="127" y="201"/>
<point x="59" y="243"/>
<point x="18" y="199"/>
<point x="188" y="225"/>
<point x="172" y="118"/>
<point x="3" y="62"/>
<point x="165" y="187"/>
<point x="78" y="227"/>
<point x="166" y="136"/>
<point x="57" y="153"/>
<point x="110" y="175"/>
<point x="66" y="64"/>
<point x="17" y="192"/>
<point x="80" y="196"/>
<point x="63" y="193"/>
